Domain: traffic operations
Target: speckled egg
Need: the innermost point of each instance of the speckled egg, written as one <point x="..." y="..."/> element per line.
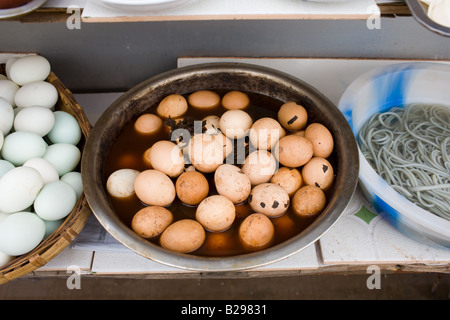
<point x="269" y="199"/>
<point x="318" y="172"/>
<point x="151" y="221"/>
<point x="308" y="201"/>
<point x="232" y="183"/>
<point x="216" y="213"/>
<point x="192" y="187"/>
<point x="184" y="236"/>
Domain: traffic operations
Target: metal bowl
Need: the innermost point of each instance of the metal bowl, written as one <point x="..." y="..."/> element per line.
<point x="218" y="76"/>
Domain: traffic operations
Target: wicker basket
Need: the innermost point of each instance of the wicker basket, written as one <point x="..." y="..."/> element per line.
<point x="74" y="222"/>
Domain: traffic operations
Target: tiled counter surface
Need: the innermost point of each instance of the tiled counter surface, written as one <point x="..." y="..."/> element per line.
<point x="359" y="239"/>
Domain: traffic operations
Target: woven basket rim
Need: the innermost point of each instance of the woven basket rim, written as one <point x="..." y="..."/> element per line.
<point x="75" y="221"/>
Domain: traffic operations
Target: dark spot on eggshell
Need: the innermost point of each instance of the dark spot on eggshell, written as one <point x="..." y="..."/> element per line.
<point x="317" y="185"/>
<point x="262" y="204"/>
<point x="292" y="120"/>
<point x="324" y="168"/>
<point x="275" y="204"/>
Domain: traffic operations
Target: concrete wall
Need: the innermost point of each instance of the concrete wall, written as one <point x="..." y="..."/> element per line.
<point x="116" y="56"/>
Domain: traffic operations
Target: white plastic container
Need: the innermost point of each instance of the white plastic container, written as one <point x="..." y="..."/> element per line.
<point x="378" y="91"/>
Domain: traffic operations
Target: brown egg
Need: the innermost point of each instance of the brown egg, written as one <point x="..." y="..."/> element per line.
<point x="318" y="172"/>
<point x="148" y="123"/>
<point x="184" y="236"/>
<point x="192" y="187"/>
<point x="155" y="188"/>
<point x="146" y="158"/>
<point x="292" y="116"/>
<point x="232" y="182"/>
<point x="299" y="133"/>
<point x="204" y="99"/>
<point x="269" y="199"/>
<point x="293" y="151"/>
<point x="206" y="152"/>
<point x="256" y="231"/>
<point x="265" y="133"/>
<point x="289" y="179"/>
<point x="166" y="157"/>
<point x="308" y="201"/>
<point x="259" y="166"/>
<point x="321" y="139"/>
<point x="173" y="106"/>
<point x="235" y="100"/>
<point x="216" y="213"/>
<point x="151" y="221"/>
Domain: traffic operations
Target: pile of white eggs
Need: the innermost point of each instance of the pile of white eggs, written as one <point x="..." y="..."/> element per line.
<point x="39" y="183"/>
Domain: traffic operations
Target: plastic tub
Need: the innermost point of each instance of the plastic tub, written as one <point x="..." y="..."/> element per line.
<point x="378" y="91"/>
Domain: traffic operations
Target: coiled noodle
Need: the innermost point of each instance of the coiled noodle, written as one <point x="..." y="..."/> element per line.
<point x="409" y="148"/>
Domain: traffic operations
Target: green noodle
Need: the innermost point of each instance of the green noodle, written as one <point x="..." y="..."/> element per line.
<point x="410" y="149"/>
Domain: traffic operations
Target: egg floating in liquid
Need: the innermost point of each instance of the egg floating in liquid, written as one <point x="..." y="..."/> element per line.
<point x="228" y="168"/>
<point x="38" y="146"/>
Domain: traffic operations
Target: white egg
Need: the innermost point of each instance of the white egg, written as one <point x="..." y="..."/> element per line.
<point x="25" y="120"/>
<point x="39" y="93"/>
<point x="8" y="65"/>
<point x="5" y="258"/>
<point x="235" y="124"/>
<point x="73" y="178"/>
<point x="3" y="216"/>
<point x="28" y="69"/>
<point x="55" y="201"/>
<point x="21" y="146"/>
<point x="66" y="129"/>
<point x="51" y="226"/>
<point x="64" y="157"/>
<point x="8" y="90"/>
<point x="6" y="116"/>
<point x="120" y="183"/>
<point x="5" y="166"/>
<point x="20" y="233"/>
<point x="44" y="167"/>
<point x="19" y="188"/>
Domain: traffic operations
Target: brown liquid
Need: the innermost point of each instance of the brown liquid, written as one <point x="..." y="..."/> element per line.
<point x="127" y="152"/>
